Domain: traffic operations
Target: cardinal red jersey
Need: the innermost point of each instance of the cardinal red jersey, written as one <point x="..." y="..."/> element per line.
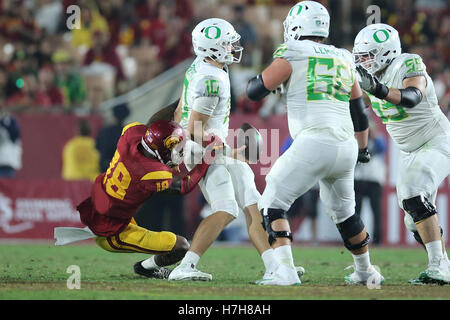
<point x="130" y="180"/>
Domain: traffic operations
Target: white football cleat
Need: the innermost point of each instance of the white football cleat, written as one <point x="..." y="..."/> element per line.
<point x="436" y="273"/>
<point x="188" y="272"/>
<point x="300" y="271"/>
<point x="371" y="276"/>
<point x="282" y="276"/>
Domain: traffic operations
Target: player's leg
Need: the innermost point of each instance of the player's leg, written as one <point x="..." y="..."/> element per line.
<point x="217" y="188"/>
<point x="420" y="175"/>
<point x="166" y="248"/>
<point x="162" y="260"/>
<point x="247" y="197"/>
<point x="294" y="173"/>
<point x="411" y="226"/>
<point x="338" y="196"/>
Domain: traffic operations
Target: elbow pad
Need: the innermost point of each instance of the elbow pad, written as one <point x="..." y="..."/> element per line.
<point x="358" y="114"/>
<point x="411" y="97"/>
<point x="256" y="89"/>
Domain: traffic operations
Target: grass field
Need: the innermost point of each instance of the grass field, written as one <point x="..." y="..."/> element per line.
<point x="39" y="271"/>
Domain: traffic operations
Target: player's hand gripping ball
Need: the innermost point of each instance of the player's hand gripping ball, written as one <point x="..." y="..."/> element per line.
<point x="249" y="136"/>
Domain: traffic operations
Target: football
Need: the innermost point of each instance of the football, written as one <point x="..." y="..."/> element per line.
<point x="249" y="136"/>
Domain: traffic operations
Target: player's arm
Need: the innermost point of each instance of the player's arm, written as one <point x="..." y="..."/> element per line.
<point x="178" y="111"/>
<point x="186" y="184"/>
<point x="366" y="99"/>
<point x="409" y="96"/>
<point x="360" y="122"/>
<point x="196" y="126"/>
<point x="205" y="99"/>
<point x="202" y="110"/>
<point x="269" y="80"/>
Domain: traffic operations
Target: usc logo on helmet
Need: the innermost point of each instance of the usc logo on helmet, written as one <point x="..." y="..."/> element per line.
<point x="171" y="141"/>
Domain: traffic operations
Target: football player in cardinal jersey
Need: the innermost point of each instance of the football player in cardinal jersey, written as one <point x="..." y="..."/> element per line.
<point x="146" y="161"/>
<point x="402" y="94"/>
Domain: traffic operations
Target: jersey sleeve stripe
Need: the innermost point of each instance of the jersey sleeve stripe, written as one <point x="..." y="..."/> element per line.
<point x="157" y="175"/>
<point x="128" y="126"/>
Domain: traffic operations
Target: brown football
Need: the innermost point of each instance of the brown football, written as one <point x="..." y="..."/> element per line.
<point x="249" y="136"/>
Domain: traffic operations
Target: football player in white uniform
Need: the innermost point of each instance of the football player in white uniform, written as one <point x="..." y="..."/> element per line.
<point x="402" y="94"/>
<point x="204" y="110"/>
<point x="325" y="113"/>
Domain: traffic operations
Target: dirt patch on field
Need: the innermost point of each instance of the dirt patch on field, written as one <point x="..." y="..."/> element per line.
<point x="168" y="290"/>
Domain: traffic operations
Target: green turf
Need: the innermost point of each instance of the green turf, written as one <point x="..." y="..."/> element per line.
<point x="38" y="271"/>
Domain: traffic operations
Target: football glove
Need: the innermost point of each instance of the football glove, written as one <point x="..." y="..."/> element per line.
<point x="371" y="84"/>
<point x="363" y="155"/>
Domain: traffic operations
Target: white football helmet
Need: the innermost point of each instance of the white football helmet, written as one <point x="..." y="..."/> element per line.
<point x="306" y="18"/>
<point x="216" y="39"/>
<point x="376" y="46"/>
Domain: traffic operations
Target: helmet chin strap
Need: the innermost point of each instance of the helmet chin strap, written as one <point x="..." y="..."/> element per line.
<point x="153" y="153"/>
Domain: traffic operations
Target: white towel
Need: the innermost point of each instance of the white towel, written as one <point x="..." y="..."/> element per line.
<point x="65" y="235"/>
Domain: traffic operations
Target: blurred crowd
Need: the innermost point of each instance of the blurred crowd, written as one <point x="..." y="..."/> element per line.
<point x="424" y="27"/>
<point x="73" y="54"/>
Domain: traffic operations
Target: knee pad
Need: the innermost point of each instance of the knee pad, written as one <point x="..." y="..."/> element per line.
<point x="419" y="208"/>
<point x="350" y="228"/>
<point x="409" y="223"/>
<point x="270" y="216"/>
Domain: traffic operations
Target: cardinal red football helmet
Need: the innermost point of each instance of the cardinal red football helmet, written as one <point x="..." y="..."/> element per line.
<point x="165" y="139"/>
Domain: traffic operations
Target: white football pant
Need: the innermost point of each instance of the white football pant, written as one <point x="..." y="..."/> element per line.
<point x="228" y="185"/>
<point x="311" y="159"/>
<point x="422" y="171"/>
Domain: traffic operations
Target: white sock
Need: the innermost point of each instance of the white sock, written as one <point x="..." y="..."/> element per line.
<point x="269" y="260"/>
<point x="362" y="261"/>
<point x="191" y="258"/>
<point x="284" y="255"/>
<point x="434" y="250"/>
<point x="149" y="263"/>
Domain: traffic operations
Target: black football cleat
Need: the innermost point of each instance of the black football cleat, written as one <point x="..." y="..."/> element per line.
<point x="158" y="273"/>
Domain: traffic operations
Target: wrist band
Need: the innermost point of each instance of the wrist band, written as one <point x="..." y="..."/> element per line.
<point x="381" y="91"/>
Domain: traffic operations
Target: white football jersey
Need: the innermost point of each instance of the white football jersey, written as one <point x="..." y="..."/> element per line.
<point x="203" y="79"/>
<point x="410" y="128"/>
<point x="318" y="90"/>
